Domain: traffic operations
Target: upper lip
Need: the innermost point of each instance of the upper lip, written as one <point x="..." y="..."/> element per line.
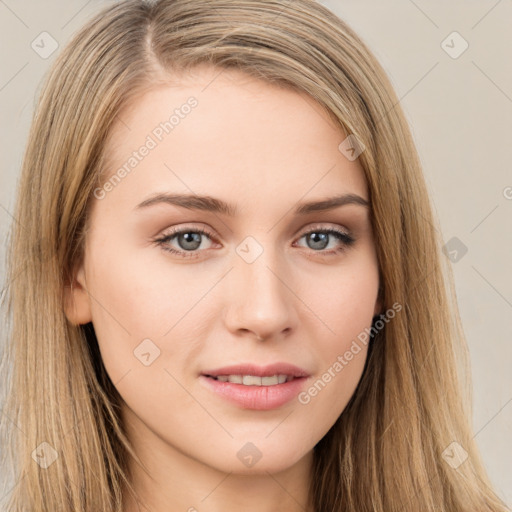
<point x="260" y="371"/>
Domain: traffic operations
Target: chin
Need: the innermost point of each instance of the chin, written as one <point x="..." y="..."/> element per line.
<point x="255" y="458"/>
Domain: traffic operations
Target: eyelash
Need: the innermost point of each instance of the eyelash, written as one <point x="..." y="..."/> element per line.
<point x="346" y="239"/>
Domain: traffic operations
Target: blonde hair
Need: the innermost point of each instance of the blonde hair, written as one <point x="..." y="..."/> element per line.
<point x="385" y="451"/>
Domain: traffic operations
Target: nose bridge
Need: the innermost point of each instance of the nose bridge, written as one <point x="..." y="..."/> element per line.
<point x="260" y="300"/>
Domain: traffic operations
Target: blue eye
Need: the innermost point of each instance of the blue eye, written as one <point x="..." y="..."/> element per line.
<point x="190" y="240"/>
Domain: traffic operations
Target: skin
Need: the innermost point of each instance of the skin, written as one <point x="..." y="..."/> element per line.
<point x="264" y="149"/>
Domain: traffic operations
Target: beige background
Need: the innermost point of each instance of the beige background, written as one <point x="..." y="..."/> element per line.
<point x="460" y="110"/>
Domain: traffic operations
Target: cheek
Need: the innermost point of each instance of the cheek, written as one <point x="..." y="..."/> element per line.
<point x="342" y="363"/>
<point x="343" y="297"/>
<point x="136" y="297"/>
<point x="139" y="295"/>
<point x="344" y="303"/>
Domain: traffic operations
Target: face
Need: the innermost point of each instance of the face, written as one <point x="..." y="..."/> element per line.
<point x="208" y="252"/>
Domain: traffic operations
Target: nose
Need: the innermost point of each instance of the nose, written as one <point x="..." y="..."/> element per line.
<point x="260" y="298"/>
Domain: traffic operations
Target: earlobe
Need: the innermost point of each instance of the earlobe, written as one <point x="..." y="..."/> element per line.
<point x="76" y="300"/>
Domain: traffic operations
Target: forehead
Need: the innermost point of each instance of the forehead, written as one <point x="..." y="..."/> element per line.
<point x="212" y="131"/>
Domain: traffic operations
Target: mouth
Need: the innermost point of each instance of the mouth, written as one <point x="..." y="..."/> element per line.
<point x="255" y="387"/>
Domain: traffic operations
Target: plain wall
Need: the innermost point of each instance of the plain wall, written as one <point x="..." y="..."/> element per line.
<point x="460" y="111"/>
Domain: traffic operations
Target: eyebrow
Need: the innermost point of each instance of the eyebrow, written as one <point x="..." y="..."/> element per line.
<point x="212" y="204"/>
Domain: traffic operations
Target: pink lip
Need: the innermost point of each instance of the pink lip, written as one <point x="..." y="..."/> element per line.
<point x="259" y="398"/>
<point x="256" y="397"/>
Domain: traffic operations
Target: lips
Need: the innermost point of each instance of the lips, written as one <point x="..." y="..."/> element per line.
<point x="249" y="386"/>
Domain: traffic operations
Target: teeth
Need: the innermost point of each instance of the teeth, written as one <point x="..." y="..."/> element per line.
<point x="254" y="380"/>
<point x="251" y="380"/>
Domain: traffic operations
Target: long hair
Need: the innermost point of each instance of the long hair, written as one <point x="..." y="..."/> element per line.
<point x="387" y="450"/>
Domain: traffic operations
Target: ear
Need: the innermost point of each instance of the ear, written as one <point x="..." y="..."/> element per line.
<point x="77" y="305"/>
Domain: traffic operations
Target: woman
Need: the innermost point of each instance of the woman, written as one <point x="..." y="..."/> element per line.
<point x="225" y="280"/>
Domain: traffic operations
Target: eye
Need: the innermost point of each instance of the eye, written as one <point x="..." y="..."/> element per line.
<point x="189" y="240"/>
<point x="319" y="239"/>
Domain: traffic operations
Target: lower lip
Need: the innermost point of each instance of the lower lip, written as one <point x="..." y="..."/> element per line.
<point x="260" y="398"/>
